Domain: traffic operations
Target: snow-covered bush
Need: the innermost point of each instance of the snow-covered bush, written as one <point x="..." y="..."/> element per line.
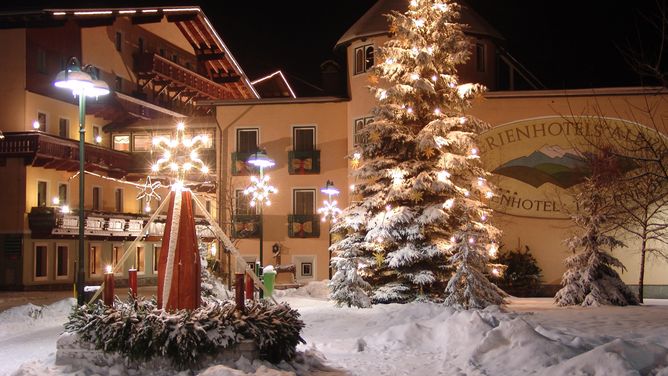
<point x="521" y="275"/>
<point x="139" y="330"/>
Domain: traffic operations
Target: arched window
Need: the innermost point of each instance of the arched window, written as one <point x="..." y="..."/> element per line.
<point x="363" y="58"/>
<point x="368" y="55"/>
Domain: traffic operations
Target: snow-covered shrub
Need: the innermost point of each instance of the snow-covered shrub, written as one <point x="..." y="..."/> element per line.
<point x="139" y="330"/>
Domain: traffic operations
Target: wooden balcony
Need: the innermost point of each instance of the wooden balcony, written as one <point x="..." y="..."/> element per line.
<point x="43" y="150"/>
<point x="165" y="75"/>
<point x="304" y="162"/>
<point x="50" y="221"/>
<point x="303" y="226"/>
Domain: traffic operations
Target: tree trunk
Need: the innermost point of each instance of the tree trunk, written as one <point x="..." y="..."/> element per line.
<point x="642" y="271"/>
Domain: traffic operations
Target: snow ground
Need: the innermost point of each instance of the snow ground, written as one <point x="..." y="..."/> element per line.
<point x="528" y="337"/>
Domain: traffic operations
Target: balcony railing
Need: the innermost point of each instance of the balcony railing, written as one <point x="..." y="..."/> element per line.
<point x="153" y="66"/>
<point x="303" y="226"/>
<point x="44" y="150"/>
<point x="246" y="226"/>
<point x="304" y="162"/>
<point x="48" y="221"/>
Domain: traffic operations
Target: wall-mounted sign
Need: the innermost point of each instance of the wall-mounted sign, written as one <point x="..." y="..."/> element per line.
<point x="535" y="161"/>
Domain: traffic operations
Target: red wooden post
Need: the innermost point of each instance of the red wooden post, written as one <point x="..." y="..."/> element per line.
<point x="239" y="290"/>
<point x="249" y="287"/>
<point x="132" y="281"/>
<point x="109" y="287"/>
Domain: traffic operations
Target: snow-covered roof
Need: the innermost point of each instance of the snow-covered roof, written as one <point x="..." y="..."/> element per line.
<point x="374" y="22"/>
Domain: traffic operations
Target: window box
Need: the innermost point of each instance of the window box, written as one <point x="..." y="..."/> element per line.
<point x="239" y="164"/>
<point x="304" y="162"/>
<point x="303" y="226"/>
<point x="246" y="226"/>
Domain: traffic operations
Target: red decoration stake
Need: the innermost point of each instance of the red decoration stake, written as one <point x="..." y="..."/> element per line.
<point x="239" y="290"/>
<point x="179" y="265"/>
<point x="109" y="287"/>
<point x="132" y="281"/>
<point x="249" y="287"/>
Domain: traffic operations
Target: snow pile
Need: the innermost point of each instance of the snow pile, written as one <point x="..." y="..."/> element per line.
<point x="315" y="289"/>
<point x="17" y="320"/>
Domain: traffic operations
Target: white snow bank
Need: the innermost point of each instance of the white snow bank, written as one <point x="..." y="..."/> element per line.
<point x="315" y="289"/>
<point x="15" y="321"/>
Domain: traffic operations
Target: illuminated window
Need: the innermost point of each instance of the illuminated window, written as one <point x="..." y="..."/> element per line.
<point x="156" y="258"/>
<point x="141" y="142"/>
<point x="307" y="269"/>
<point x="117" y="252"/>
<point x="242" y="204"/>
<point x="62" y="194"/>
<point x="122" y="142"/>
<point x="41" y="119"/>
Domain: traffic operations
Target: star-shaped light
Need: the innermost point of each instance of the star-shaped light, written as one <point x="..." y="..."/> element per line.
<point x="259" y="190"/>
<point x="148" y="191"/>
<point x="179" y="155"/>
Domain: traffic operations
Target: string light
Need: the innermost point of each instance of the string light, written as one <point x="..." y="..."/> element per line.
<point x="471" y="240"/>
<point x="474" y="151"/>
<point x="496" y="272"/>
<point x="443" y="176"/>
<point x="65" y="209"/>
<point x="414" y="76"/>
<point x="397" y="175"/>
<point x="481" y="182"/>
<point x="489" y="194"/>
<point x="434" y="78"/>
<point x="466" y="193"/>
<point x="35" y="124"/>
<point x="462" y="120"/>
<point x="419" y="23"/>
<point x="56" y="201"/>
<point x="409" y="110"/>
<point x="449" y="203"/>
<point x="440" y="6"/>
<point x="493" y="250"/>
<point x="437" y="111"/>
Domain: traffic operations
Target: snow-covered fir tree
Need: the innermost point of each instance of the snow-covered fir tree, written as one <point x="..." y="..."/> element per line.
<point x="590" y="279"/>
<point x="421" y="185"/>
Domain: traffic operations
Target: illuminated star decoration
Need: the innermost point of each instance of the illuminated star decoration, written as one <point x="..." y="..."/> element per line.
<point x="148" y="192"/>
<point x="260" y="189"/>
<point x="329" y="210"/>
<point x="179" y="155"/>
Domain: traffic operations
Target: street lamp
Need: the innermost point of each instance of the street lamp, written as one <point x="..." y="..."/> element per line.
<point x="329" y="212"/>
<point x="260" y="189"/>
<point x="83" y="82"/>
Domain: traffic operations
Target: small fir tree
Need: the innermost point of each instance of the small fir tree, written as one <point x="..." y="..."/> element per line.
<point x="590" y="279"/>
<point x="421" y="180"/>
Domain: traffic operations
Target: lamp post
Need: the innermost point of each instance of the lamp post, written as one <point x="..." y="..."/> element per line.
<point x="329" y="212"/>
<point x="260" y="189"/>
<point x="83" y="82"/>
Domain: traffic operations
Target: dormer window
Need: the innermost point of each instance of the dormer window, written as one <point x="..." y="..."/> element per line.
<point x="363" y="58"/>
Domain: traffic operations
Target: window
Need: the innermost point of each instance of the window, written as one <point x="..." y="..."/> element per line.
<point x="118" y="85"/>
<point x="304" y="201"/>
<point x="141" y="142"/>
<point x="40" y="261"/>
<point x="156" y="258"/>
<point x="162" y="52"/>
<point x="140" y="44"/>
<point x="41" y="61"/>
<point x="480" y="58"/>
<point x="207" y="205"/>
<point x="122" y="142"/>
<point x="95" y="260"/>
<point x="41" y="193"/>
<point x="207" y="134"/>
<point x="64" y="128"/>
<point x="62" y="193"/>
<point x="118" y="200"/>
<point x="139" y="260"/>
<point x="307" y="269"/>
<point x="41" y="119"/>
<point x="247" y="140"/>
<point x="242" y="202"/>
<point x="97" y="198"/>
<point x="62" y="266"/>
<point x="363" y="58"/>
<point x="97" y="136"/>
<point x="175" y="58"/>
<point x="117" y="252"/>
<point x="119" y="41"/>
<point x="303" y="138"/>
<point x="359" y="138"/>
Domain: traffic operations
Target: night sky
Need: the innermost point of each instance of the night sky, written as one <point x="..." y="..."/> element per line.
<point x="566" y="44"/>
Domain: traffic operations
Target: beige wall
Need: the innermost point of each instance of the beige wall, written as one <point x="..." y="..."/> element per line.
<point x="13" y="77"/>
<point x="275" y="123"/>
<point x="13" y="196"/>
